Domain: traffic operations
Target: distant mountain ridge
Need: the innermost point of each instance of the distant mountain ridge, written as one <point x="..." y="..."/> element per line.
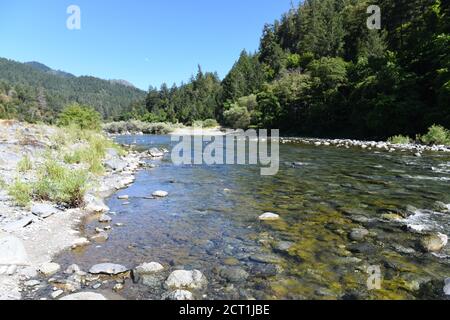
<point x="52" y="90"/>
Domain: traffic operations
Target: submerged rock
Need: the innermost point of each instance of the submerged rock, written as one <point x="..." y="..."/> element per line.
<point x="108" y="268"/>
<point x="180" y="295"/>
<point x="84" y="296"/>
<point x="102" y="236"/>
<point x="447" y="287"/>
<point x="186" y="279"/>
<point x="234" y="274"/>
<point x="359" y="234"/>
<point x="283" y="246"/>
<point x="434" y="242"/>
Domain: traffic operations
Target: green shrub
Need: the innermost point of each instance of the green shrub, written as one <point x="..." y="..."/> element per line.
<point x="25" y="164"/>
<point x="237" y="117"/>
<point x="399" y="139"/>
<point x="21" y="193"/>
<point x="436" y="135"/>
<point x="210" y="123"/>
<point x="61" y="185"/>
<point x="83" y="117"/>
<point x="134" y="126"/>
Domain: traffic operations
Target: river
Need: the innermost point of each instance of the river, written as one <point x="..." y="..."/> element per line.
<point x="210" y="222"/>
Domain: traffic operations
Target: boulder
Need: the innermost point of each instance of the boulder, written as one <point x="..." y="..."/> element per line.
<point x="95" y="205"/>
<point x="186" y="279"/>
<point x="108" y="268"/>
<point x="84" y="296"/>
<point x="19" y="224"/>
<point x="12" y="251"/>
<point x="43" y="210"/>
<point x="116" y="164"/>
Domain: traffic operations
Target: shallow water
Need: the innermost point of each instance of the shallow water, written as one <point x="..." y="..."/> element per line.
<point x="210" y="222"/>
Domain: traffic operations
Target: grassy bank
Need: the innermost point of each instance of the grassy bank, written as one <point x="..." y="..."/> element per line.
<point x="64" y="170"/>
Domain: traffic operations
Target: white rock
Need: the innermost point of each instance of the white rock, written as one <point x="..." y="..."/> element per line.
<point x="186" y="279"/>
<point x="160" y="194"/>
<point x="12" y="251"/>
<point x="80" y="242"/>
<point x="104" y="218"/>
<point x="269" y="216"/>
<point x="56" y="294"/>
<point x="149" y="268"/>
<point x="180" y="295"/>
<point x="32" y="283"/>
<point x="84" y="296"/>
<point x="447" y="287"/>
<point x="19" y="224"/>
<point x="95" y="205"/>
<point x="124" y="197"/>
<point x="108" y="268"/>
<point x="49" y="269"/>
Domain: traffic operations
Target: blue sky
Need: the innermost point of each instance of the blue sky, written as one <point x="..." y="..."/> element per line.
<point x="146" y="42"/>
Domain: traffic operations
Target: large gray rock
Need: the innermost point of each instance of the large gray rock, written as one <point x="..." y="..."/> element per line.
<point x="186" y="279"/>
<point x="108" y="268"/>
<point x="84" y="296"/>
<point x="12" y="251"/>
<point x="43" y="210"/>
<point x="160" y="194"/>
<point x="116" y="164"/>
<point x="95" y="205"/>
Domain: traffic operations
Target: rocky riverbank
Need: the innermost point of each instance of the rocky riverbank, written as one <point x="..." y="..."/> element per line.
<point x="417" y="149"/>
<point x="30" y="236"/>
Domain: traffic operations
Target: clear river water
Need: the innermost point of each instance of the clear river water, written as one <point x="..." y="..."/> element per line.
<point x="210" y="222"/>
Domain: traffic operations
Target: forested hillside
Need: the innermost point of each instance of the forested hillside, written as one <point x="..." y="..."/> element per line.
<point x="320" y="71"/>
<point x="34" y="92"/>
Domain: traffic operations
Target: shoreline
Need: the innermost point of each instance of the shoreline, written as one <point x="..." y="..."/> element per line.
<point x="30" y="241"/>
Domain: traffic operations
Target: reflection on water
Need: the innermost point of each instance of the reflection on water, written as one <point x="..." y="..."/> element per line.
<point x="210" y="222"/>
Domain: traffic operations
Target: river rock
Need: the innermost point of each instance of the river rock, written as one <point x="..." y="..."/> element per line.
<point x="123" y="197"/>
<point x="283" y="246"/>
<point x="43" y="210"/>
<point x="80" y="242"/>
<point x="441" y="207"/>
<point x="149" y="268"/>
<point x="186" y="279"/>
<point x="266" y="258"/>
<point x="116" y="164"/>
<point x="155" y="153"/>
<point x="72" y="269"/>
<point x="108" y="268"/>
<point x="160" y="194"/>
<point x="100" y="237"/>
<point x="234" y="274"/>
<point x="12" y="251"/>
<point x="434" y="242"/>
<point x="84" y="296"/>
<point x="447" y="287"/>
<point x="49" y="269"/>
<point x="263" y="270"/>
<point x="104" y="219"/>
<point x="358" y="234"/>
<point x="95" y="205"/>
<point x="180" y="295"/>
<point x="56" y="294"/>
<point x="32" y="283"/>
<point x="269" y="216"/>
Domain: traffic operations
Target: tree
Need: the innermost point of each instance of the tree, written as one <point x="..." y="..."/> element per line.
<point x="83" y="117"/>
